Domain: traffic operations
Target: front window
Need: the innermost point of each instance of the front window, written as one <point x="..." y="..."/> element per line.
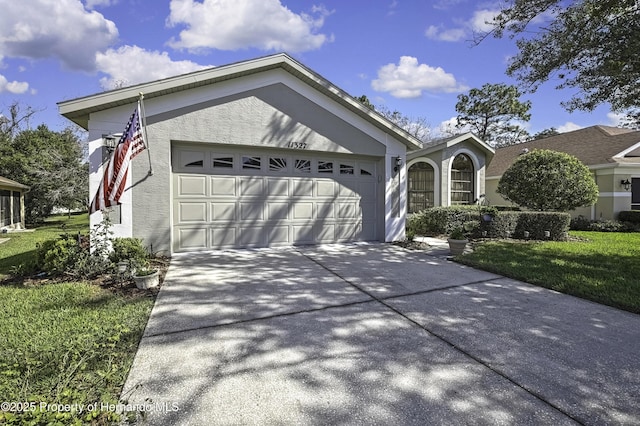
<point x="462" y="180"/>
<point x="421" y="187"/>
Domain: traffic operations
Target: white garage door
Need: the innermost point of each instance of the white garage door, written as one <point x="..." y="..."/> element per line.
<point x="227" y="199"/>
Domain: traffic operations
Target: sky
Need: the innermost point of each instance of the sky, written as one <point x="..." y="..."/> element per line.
<point x="413" y="56"/>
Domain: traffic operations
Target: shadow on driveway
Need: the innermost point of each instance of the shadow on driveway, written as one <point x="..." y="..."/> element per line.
<point x="374" y="334"/>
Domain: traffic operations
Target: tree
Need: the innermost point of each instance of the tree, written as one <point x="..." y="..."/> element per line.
<point x="416" y="126"/>
<point x="52" y="164"/>
<point x="551" y="131"/>
<point x="490" y="112"/>
<point x="548" y="180"/>
<point x="589" y="45"/>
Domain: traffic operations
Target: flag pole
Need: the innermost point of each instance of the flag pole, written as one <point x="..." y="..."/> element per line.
<point x="144" y="129"/>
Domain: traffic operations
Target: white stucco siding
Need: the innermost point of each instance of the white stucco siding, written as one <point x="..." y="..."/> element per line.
<point x="268" y="110"/>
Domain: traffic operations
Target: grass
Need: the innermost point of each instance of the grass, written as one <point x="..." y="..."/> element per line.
<point x="64" y="343"/>
<point x="604" y="268"/>
<point x="21" y="247"/>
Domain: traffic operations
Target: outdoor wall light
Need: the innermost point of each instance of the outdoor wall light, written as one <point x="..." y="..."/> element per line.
<point x="397" y="162"/>
<point x="625" y="184"/>
<point x="110" y="141"/>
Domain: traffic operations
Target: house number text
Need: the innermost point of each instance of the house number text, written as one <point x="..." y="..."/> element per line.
<point x="297" y="145"/>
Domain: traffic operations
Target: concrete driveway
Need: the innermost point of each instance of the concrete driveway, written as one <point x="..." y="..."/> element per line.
<point x="375" y="334"/>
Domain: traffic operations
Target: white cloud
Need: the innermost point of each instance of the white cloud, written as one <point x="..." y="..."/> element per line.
<point x="408" y="79"/>
<point x="239" y="24"/>
<point x="569" y="127"/>
<point x="452" y="34"/>
<point x="15" y="87"/>
<point x="615" y="119"/>
<point x="131" y="65"/>
<point x="92" y="4"/>
<point x="450" y="127"/>
<point x="480" y="22"/>
<point x="61" y="29"/>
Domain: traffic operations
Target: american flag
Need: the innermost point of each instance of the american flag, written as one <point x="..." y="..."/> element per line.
<point x="115" y="173"/>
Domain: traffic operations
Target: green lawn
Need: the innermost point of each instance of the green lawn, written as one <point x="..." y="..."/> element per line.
<point x="63" y="343"/>
<point x="605" y="268"/>
<point x="21" y="247"/>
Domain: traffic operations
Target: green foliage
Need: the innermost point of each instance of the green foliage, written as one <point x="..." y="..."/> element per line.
<point x="70" y="343"/>
<point x="130" y="249"/>
<point x="632" y="216"/>
<point x="489" y="222"/>
<point x="548" y="180"/>
<point x="603" y="267"/>
<point x="457" y="233"/>
<point x="490" y="112"/>
<point x="51" y="163"/>
<point x="410" y="234"/>
<point x="589" y="45"/>
<point x="581" y="223"/>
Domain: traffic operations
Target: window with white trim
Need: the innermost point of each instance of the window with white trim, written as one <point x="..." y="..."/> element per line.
<point x="462" y="180"/>
<point x="420" y="185"/>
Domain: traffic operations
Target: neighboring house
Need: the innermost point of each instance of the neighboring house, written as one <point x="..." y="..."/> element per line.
<point x="261" y="153"/>
<point x="12" y="204"/>
<point x="612" y="154"/>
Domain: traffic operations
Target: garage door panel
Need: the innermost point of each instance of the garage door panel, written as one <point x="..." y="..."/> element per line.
<point x="221" y="211"/>
<point x="192" y="212"/>
<point x="302" y="187"/>
<point x="303" y="211"/>
<point x="325" y="210"/>
<point x="279" y="236"/>
<point x="192" y="238"/>
<point x="325" y="232"/>
<point x="223" y="186"/>
<point x="224" y="237"/>
<point x="251" y="186"/>
<point x="348" y="231"/>
<point x="347" y="211"/>
<point x="280" y="203"/>
<point x="253" y="211"/>
<point x="277" y="210"/>
<point x="189" y="186"/>
<point x="325" y="188"/>
<point x="252" y="236"/>
<point x="302" y="234"/>
<point x="278" y="186"/>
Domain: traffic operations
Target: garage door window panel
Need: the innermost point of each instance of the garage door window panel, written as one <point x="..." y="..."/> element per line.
<point x="277" y="164"/>
<point x="251" y="163"/>
<point x="225" y="162"/>
<point x="302" y="166"/>
<point x="347" y="169"/>
<point x="325" y="167"/>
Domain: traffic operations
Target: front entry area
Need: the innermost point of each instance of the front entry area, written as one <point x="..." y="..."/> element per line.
<point x="245" y="197"/>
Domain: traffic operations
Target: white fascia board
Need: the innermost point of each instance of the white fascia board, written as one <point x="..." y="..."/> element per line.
<point x="628" y="150"/>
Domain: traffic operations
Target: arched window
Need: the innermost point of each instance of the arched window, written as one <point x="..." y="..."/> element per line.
<point x="462" y="180"/>
<point x="420" y="187"/>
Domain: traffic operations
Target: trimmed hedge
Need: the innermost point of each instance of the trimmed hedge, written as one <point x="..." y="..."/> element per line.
<point x="581" y="223"/>
<point x="492" y="223"/>
<point x="632" y="216"/>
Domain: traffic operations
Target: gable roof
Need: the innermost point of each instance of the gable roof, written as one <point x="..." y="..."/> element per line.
<point x="79" y="109"/>
<point x="595" y="145"/>
<point x="438" y="144"/>
<point x="12" y="183"/>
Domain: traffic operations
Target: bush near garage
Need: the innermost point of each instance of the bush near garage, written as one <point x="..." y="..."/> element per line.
<point x="581" y="223"/>
<point x="492" y="223"/>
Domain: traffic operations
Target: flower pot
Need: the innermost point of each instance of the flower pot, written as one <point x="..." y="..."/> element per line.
<point x="456" y="247"/>
<point x="145" y="282"/>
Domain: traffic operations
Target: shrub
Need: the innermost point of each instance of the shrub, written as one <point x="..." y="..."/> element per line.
<point x="538" y="223"/>
<point x="632" y="216"/>
<point x="69" y="256"/>
<point x="580" y="223"/>
<point x="128" y="249"/>
<point x="547" y="180"/>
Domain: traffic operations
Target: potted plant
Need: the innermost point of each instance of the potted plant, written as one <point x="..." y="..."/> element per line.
<point x="146" y="277"/>
<point x="457" y="241"/>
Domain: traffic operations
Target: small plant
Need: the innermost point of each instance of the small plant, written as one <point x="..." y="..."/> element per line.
<point x="457" y="233"/>
<point x="130" y="249"/>
<point x="410" y="235"/>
